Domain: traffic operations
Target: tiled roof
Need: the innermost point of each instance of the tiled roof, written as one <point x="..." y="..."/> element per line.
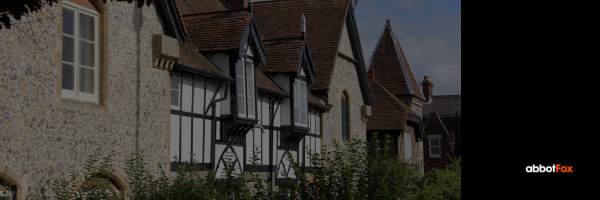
<point x="444" y="105"/>
<point x="391" y="67"/>
<point x="264" y="82"/>
<point x="324" y="22"/>
<point x="314" y="100"/>
<point x="388" y="112"/>
<point x="199" y="6"/>
<point x="190" y="57"/>
<point x="284" y="55"/>
<point x="216" y="31"/>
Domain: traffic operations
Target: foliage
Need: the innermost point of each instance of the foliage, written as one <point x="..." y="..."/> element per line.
<point x="348" y="171"/>
<point x="20" y="8"/>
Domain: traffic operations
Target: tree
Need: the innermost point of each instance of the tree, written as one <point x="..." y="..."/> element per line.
<point x="20" y="8"/>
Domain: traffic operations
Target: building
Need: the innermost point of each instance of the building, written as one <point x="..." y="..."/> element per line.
<point x="84" y="76"/>
<point x="185" y="79"/>
<point x="442" y="127"/>
<point x="398" y="95"/>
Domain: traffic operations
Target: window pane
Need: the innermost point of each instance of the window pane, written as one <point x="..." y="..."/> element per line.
<point x="303" y="117"/>
<point x="250" y="105"/>
<point x="435" y="143"/>
<point x="297" y="116"/>
<point x="303" y="89"/>
<point x="435" y="150"/>
<point x="68" y="49"/>
<point x="175" y="82"/>
<point x="86" y="27"/>
<point x="86" y="80"/>
<point x="296" y="91"/>
<point x="241" y="104"/>
<point x="296" y="102"/>
<point x="174" y="97"/>
<point x="86" y="53"/>
<point x="68" y="21"/>
<point x="68" y="76"/>
<point x="303" y="103"/>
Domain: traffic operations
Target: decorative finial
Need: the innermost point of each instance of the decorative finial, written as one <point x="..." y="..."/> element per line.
<point x="303" y="28"/>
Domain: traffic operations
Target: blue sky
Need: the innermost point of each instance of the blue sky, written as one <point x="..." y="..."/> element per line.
<point x="429" y="32"/>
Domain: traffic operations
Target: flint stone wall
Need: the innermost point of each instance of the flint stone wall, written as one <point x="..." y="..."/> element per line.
<point x="46" y="137"/>
<point x="344" y="78"/>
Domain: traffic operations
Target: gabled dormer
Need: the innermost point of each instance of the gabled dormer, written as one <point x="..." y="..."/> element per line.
<point x="230" y="39"/>
<point x="291" y="67"/>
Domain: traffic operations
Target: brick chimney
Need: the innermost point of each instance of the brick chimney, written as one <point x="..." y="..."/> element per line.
<point x="427" y="88"/>
<point x="371" y="74"/>
<point x="235" y="4"/>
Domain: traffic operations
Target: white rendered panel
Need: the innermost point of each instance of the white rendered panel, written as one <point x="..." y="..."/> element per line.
<point x="219" y="95"/>
<point x="318" y="145"/>
<point x="309" y="147"/>
<point x="198" y="140"/>
<point x="186" y="91"/>
<point x="174" y="138"/>
<point x="218" y="151"/>
<point x="218" y="129"/>
<point x="207" y="140"/>
<point x="280" y="168"/>
<point x="186" y="138"/>
<point x="225" y="105"/>
<point x="265" y="111"/>
<point x="240" y="153"/>
<point x="199" y="95"/>
<point x="264" y="148"/>
<point x="258" y="141"/>
<point x="249" y="144"/>
<point x="282" y="117"/>
<point x="312" y="122"/>
<point x="291" y="169"/>
<point x="207" y="128"/>
<point x="345" y="46"/>
<point x="210" y="90"/>
<point x="302" y="151"/>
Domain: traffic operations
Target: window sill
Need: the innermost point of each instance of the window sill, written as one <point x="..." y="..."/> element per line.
<point x="435" y="157"/>
<point x="77" y="104"/>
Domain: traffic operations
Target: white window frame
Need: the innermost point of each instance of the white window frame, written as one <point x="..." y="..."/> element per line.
<point x="407" y="146"/>
<point x="301" y="98"/>
<point x="75" y="93"/>
<point x="439" y="146"/>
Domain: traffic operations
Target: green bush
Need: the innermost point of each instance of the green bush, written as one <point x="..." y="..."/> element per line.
<point x="348" y="171"/>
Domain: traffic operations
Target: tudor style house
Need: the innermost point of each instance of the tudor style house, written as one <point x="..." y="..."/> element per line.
<point x="195" y="80"/>
<point x="399" y="101"/>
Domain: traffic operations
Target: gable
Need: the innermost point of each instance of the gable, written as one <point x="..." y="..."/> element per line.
<point x="345" y="45"/>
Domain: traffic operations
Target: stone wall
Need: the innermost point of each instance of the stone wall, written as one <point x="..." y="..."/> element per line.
<point x="43" y="136"/>
<point x="344" y="78"/>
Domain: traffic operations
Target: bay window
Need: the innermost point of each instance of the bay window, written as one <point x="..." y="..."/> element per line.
<point x="80" y="53"/>
<point x="300" y="101"/>
<point x="244" y="72"/>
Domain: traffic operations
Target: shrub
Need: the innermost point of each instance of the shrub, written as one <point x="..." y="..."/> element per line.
<point x="356" y="170"/>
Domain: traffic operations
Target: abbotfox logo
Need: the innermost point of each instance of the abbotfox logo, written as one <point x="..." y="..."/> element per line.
<point x="556" y="168"/>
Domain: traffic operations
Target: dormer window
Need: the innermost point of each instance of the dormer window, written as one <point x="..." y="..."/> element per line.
<point x="300" y="102"/>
